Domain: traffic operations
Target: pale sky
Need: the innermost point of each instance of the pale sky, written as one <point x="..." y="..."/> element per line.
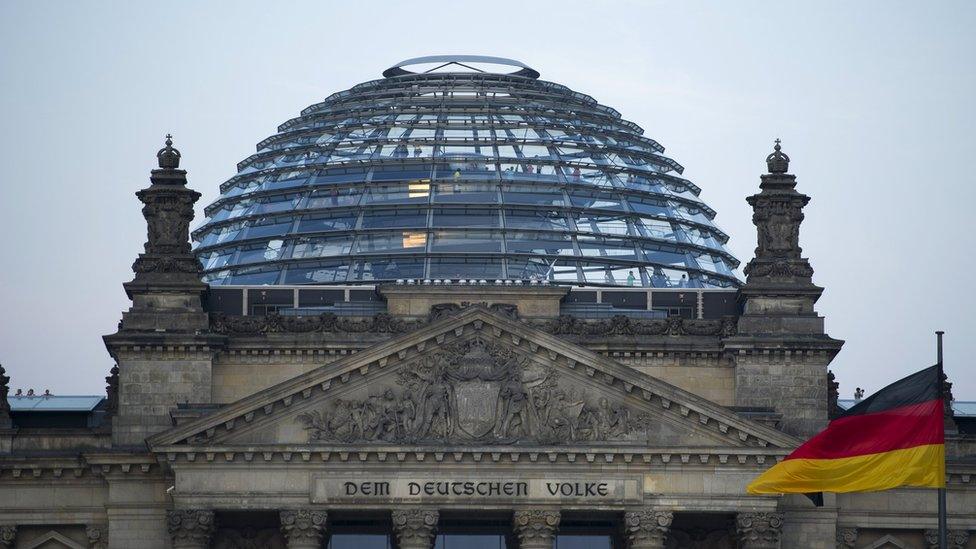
<point x="874" y="102"/>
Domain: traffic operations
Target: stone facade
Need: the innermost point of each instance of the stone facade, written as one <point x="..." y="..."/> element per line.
<point x="456" y="404"/>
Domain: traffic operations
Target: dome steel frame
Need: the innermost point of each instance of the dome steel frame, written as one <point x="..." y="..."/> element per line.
<point x="461" y="175"/>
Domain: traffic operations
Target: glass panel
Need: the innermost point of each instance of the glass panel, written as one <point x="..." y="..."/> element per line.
<point x="470" y="541"/>
<point x="414" y="192"/>
<point x="389" y="268"/>
<point x="467" y="241"/>
<point x="268" y="229"/>
<point x="216" y="259"/>
<point x="465" y="217"/>
<point x="317" y="273"/>
<point x="321" y="247"/>
<point x="583" y="542"/>
<point x="476" y="193"/>
<point x="321" y="222"/>
<point x="541" y="268"/>
<point x="406" y="241"/>
<point x="539" y="243"/>
<point x="655" y="228"/>
<point x="378" y="219"/>
<point x="607" y="247"/>
<point x="473" y="267"/>
<point x="269" y="251"/>
<point x="536" y="219"/>
<point x="650" y="207"/>
<point x="333" y="197"/>
<point x="255" y="277"/>
<point x="602" y="224"/>
<point x="583" y="199"/>
<point x="532" y="194"/>
<point x="618" y="275"/>
<point x="359" y="541"/>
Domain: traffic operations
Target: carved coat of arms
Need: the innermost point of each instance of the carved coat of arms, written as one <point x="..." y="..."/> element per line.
<point x="473" y="392"/>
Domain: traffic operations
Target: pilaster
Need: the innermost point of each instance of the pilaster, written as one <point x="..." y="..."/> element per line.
<point x="190" y="528"/>
<point x="415" y="528"/>
<point x="303" y="528"/>
<point x="536" y="529"/>
<point x="759" y="530"/>
<point x="647" y="528"/>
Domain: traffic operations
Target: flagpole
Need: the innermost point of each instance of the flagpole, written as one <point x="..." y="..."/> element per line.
<point x="943" y="530"/>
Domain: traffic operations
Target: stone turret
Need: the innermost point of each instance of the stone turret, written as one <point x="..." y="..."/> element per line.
<point x="166" y="290"/>
<point x="781" y="350"/>
<point x="163" y="347"/>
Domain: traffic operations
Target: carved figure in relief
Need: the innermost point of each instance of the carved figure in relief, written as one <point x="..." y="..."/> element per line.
<point x="474" y="392"/>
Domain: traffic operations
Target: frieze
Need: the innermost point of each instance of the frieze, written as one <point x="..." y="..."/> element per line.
<point x="223" y="323"/>
<point x="624" y="325"/>
<point x="326" y="322"/>
<point x="475" y="392"/>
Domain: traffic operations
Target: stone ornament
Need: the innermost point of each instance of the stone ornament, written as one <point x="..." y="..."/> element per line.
<point x="414" y="528"/>
<point x="190" y="527"/>
<point x="303" y="527"/>
<point x="846" y="538"/>
<point x="8" y="535"/>
<point x="623" y="325"/>
<point x="759" y="530"/>
<point x="97" y="536"/>
<point x="273" y="323"/>
<point x="384" y="323"/>
<point x="535" y="528"/>
<point x="475" y="392"/>
<point x="647" y="528"/>
<point x="957" y="539"/>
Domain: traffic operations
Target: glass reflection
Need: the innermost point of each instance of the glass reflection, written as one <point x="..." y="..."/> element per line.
<point x="508" y="176"/>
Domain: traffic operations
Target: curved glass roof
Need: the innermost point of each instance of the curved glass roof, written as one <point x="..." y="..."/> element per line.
<point x="458" y="173"/>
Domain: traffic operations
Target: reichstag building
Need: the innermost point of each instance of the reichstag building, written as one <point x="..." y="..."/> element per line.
<point x="457" y="307"/>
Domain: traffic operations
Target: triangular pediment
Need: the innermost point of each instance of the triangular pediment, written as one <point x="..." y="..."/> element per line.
<point x="473" y="379"/>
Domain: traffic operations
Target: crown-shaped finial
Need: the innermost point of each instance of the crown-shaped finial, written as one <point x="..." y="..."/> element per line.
<point x="169" y="158"/>
<point x="777" y="162"/>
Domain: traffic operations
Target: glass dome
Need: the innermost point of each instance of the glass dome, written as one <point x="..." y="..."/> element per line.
<point x="458" y="173"/>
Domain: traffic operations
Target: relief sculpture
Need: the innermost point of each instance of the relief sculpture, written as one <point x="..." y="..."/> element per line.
<point x="474" y="392"/>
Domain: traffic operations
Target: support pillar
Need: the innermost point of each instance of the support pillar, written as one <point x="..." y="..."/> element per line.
<point x="647" y="528"/>
<point x="303" y="528"/>
<point x="415" y="528"/>
<point x="759" y="530"/>
<point x="536" y="529"/>
<point x="190" y="528"/>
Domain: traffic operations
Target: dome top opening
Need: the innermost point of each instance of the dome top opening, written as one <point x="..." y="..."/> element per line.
<point x="461" y="63"/>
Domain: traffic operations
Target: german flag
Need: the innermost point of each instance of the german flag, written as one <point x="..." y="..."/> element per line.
<point x="893" y="438"/>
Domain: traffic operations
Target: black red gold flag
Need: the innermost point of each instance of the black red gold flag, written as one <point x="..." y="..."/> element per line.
<point x="893" y="438"/>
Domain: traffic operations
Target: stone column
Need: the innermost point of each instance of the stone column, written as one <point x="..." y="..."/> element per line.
<point x="536" y="529"/>
<point x="647" y="528"/>
<point x="190" y="528"/>
<point x="415" y="528"/>
<point x="303" y="528"/>
<point x="759" y="530"/>
<point x="97" y="536"/>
